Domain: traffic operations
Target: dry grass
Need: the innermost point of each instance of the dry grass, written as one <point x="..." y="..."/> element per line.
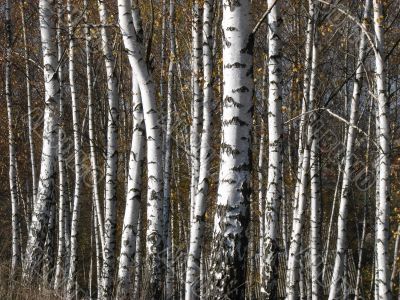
<point x="15" y="289"/>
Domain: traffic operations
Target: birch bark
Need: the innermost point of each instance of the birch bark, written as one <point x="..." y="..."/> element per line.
<point x="341" y="245"/>
<point x="110" y="219"/>
<point x="133" y="200"/>
<point x="168" y="153"/>
<point x="275" y="138"/>
<point x="192" y="288"/>
<point x="137" y="287"/>
<point x="61" y="247"/>
<point x="92" y="148"/>
<point x="261" y="171"/>
<point x="16" y="247"/>
<point x="232" y="212"/>
<point x="41" y="211"/>
<point x="195" y="127"/>
<point x="292" y="273"/>
<point x="315" y="214"/>
<point x="71" y="284"/>
<point x="383" y="211"/>
<point x="154" y="242"/>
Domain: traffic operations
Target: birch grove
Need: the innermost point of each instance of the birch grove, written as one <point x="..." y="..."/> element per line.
<point x="172" y="149"/>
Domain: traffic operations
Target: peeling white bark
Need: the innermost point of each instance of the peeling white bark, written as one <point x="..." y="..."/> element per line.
<point x="232" y="211"/>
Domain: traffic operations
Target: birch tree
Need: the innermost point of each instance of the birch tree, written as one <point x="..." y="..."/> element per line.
<point x="92" y="148"/>
<point x="274" y="185"/>
<point x="292" y="272"/>
<point x="341" y="246"/>
<point x="110" y="219"/>
<point x="232" y="211"/>
<point x="178" y="243"/>
<point x="168" y="154"/>
<point x="41" y="210"/>
<point x="61" y="246"/>
<point x="77" y="156"/>
<point x="315" y="207"/>
<point x="261" y="171"/>
<point x="383" y="212"/>
<point x="198" y="224"/>
<point x="154" y="241"/>
<point x="16" y="247"/>
<point x="196" y="109"/>
<point x="133" y="201"/>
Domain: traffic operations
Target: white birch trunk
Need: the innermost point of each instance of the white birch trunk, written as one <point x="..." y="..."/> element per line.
<point x="92" y="148"/>
<point x="41" y="212"/>
<point x="99" y="255"/>
<point x="383" y="211"/>
<point x="110" y="219"/>
<point x="133" y="200"/>
<point x="71" y="288"/>
<point x="306" y="94"/>
<point x="341" y="244"/>
<point x="137" y="287"/>
<point x="232" y="212"/>
<point x="377" y="181"/>
<point x="315" y="214"/>
<point x="61" y="247"/>
<point x="154" y="243"/>
<point x="168" y="154"/>
<point x="192" y="288"/>
<point x="261" y="171"/>
<point x="16" y="247"/>
<point x="275" y="139"/>
<point x="292" y="276"/>
<point x="292" y="272"/>
<point x="196" y="109"/>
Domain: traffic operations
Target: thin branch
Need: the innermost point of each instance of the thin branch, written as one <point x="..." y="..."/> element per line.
<point x="263" y="17"/>
<point x="340" y="118"/>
